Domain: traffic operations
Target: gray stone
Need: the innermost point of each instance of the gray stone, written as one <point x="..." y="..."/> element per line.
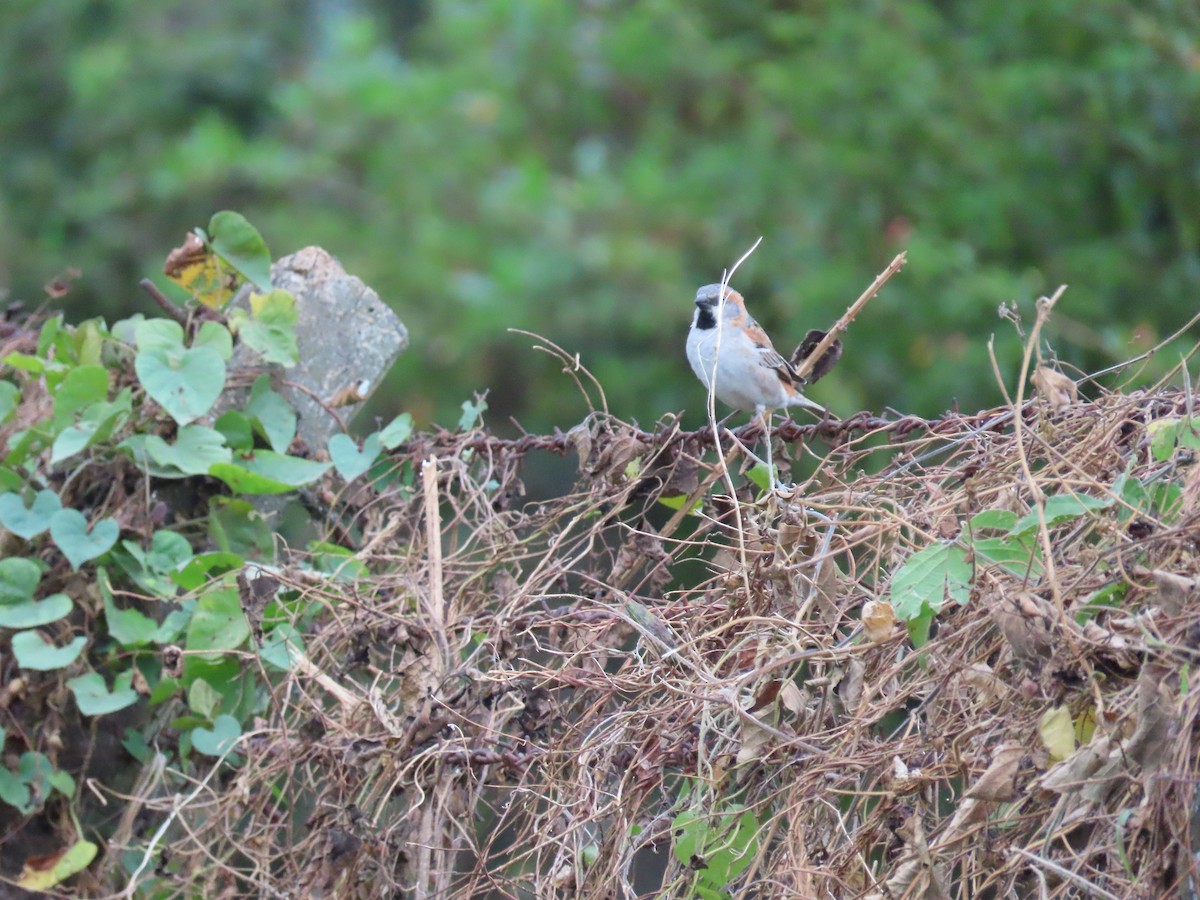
<point x="347" y="336"/>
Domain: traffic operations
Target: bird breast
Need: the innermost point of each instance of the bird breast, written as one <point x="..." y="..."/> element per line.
<point x="737" y="376"/>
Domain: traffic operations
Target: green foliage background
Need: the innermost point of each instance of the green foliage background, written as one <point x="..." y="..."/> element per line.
<point x="578" y="169"/>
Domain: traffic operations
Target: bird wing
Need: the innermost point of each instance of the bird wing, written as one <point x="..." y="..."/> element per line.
<point x="768" y="356"/>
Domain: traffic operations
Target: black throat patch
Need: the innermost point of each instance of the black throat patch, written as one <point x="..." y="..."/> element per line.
<point x="706" y="319"/>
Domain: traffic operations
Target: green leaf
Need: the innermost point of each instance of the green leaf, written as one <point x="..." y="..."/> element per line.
<point x="196" y="450"/>
<point x="1165" y="497"/>
<point x="217" y="336"/>
<point x="236" y="527"/>
<point x="396" y="432"/>
<point x="930" y="577"/>
<point x="1132" y="492"/>
<point x="92" y="695"/>
<point x="184" y="382"/>
<point x="274" y="414"/>
<point x="97" y="423"/>
<point x="676" y="502"/>
<point x="19" y="578"/>
<point x="760" y="476"/>
<point x="77" y="858"/>
<point x="219" y="739"/>
<point x="1163" y="434"/>
<point x="69" y="530"/>
<point x="270" y="326"/>
<point x="268" y="472"/>
<point x="919" y="627"/>
<point x="33" y="651"/>
<point x="691" y="834"/>
<point x="15" y="792"/>
<point x="49" y="335"/>
<point x="200" y="569"/>
<point x="89" y="339"/>
<point x="9" y="395"/>
<point x="82" y="387"/>
<point x="158" y="334"/>
<point x="999" y="519"/>
<point x="32" y="613"/>
<point x="349" y="461"/>
<point x="1059" y="509"/>
<point x="28" y="522"/>
<point x="237" y="429"/>
<point x="281" y="647"/>
<point x="129" y="627"/>
<point x="218" y="623"/>
<point x="240" y="245"/>
<point x="168" y="551"/>
<point x="472" y="412"/>
<point x="1107" y="597"/>
<point x="203" y="698"/>
<point x="1013" y="555"/>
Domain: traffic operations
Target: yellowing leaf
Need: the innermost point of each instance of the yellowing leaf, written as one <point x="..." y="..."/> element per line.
<point x="1057" y="731"/>
<point x="200" y="273"/>
<point x="41" y="873"/>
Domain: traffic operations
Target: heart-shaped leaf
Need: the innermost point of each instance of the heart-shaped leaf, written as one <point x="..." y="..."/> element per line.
<point x="19" y="578"/>
<point x="130" y="627"/>
<point x="268" y="472"/>
<point x="32" y="613"/>
<point x="238" y="242"/>
<point x="217" y="336"/>
<point x="33" y="651"/>
<point x="397" y="431"/>
<point x="97" y="423"/>
<point x="216" y="741"/>
<point x="203" y="699"/>
<point x="349" y="461"/>
<point x="69" y="530"/>
<point x="274" y="414"/>
<point x="270" y="327"/>
<point x="218" y="622"/>
<point x="93" y="697"/>
<point x="82" y="387"/>
<point x="183" y="381"/>
<point x="195" y="450"/>
<point x="32" y="521"/>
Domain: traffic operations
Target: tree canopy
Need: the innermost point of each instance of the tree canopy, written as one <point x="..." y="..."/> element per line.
<point x="578" y="169"/>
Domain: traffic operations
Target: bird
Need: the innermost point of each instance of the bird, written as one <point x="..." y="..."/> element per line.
<point x="735" y="360"/>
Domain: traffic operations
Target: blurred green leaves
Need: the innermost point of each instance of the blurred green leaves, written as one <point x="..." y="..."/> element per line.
<point x="577" y="174"/>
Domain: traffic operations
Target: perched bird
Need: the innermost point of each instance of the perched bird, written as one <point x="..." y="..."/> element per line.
<point x="733" y="357"/>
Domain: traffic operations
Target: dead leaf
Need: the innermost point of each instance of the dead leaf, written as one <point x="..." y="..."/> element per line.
<point x="998" y="783"/>
<point x="349" y="395"/>
<point x="823" y="365"/>
<point x="60" y="285"/>
<point x="754" y="738"/>
<point x="1174" y="591"/>
<point x="792" y="698"/>
<point x="1156" y="691"/>
<point x="1026" y="623"/>
<point x="1054" y="387"/>
<point x="580" y="437"/>
<point x="879" y="620"/>
<point x="850" y="688"/>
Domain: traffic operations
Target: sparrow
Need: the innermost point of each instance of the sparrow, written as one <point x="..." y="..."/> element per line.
<point x="734" y="358"/>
